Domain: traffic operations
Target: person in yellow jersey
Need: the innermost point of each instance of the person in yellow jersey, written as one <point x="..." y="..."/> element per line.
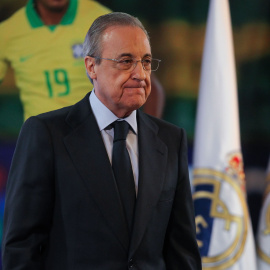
<point x="43" y="44"/>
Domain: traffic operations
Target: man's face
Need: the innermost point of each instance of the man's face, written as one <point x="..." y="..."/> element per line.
<point x="121" y="91"/>
<point x="54" y="5"/>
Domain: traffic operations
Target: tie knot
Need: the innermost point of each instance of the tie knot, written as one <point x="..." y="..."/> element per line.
<point x="121" y="129"/>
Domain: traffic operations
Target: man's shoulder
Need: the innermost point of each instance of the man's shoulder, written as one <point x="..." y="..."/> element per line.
<point x="94" y="4"/>
<point x="77" y="112"/>
<point x="55" y="114"/>
<point x="163" y="124"/>
<point x="13" y="26"/>
<point x="169" y="133"/>
<point x="14" y="20"/>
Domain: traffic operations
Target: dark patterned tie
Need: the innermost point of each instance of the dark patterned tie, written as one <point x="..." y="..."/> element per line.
<point x="122" y="170"/>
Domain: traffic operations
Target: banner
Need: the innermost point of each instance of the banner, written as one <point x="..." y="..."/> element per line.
<point x="223" y="226"/>
<point x="263" y="236"/>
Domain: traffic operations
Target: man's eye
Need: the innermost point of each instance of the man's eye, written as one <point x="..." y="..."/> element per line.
<point x="147" y="61"/>
<point x="126" y="61"/>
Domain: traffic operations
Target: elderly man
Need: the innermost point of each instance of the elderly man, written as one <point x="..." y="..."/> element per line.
<point x="100" y="184"/>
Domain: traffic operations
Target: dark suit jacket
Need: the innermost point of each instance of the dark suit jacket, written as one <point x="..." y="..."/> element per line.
<point x="63" y="209"/>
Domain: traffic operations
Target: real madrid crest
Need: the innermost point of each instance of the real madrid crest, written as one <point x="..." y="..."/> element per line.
<point x="221" y="213"/>
<point x="263" y="248"/>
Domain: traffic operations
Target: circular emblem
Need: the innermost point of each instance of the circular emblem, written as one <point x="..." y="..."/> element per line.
<point x="264" y="228"/>
<point x="221" y="217"/>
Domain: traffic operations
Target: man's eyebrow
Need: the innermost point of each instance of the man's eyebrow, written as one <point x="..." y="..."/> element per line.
<point x="125" y="54"/>
<point x="132" y="56"/>
<point x="147" y="55"/>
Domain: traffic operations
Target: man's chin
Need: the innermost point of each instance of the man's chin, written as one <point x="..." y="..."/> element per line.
<point x="137" y="104"/>
<point x="126" y="110"/>
<point x="57" y="9"/>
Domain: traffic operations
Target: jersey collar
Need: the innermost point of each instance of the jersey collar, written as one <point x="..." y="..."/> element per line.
<point x="35" y="21"/>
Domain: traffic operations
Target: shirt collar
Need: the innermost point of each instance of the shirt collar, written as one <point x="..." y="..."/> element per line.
<point x="35" y="21"/>
<point x="105" y="117"/>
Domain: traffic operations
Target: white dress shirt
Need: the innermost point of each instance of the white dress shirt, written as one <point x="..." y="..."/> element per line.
<point x="104" y="118"/>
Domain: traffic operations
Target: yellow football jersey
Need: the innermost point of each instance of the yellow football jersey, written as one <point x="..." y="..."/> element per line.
<point x="47" y="60"/>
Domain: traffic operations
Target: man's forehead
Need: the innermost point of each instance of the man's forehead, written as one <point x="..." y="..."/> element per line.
<point x="131" y="55"/>
<point x="125" y="39"/>
<point x="122" y="31"/>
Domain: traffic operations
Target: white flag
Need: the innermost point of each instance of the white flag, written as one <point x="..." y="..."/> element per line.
<point x="223" y="226"/>
<point x="263" y="237"/>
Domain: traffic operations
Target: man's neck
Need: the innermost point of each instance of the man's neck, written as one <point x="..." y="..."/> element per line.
<point x="48" y="16"/>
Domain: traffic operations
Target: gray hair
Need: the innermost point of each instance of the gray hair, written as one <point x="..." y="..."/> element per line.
<point x="92" y="44"/>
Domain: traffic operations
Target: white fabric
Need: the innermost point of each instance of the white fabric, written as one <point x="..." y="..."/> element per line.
<point x="263" y="234"/>
<point x="217" y="139"/>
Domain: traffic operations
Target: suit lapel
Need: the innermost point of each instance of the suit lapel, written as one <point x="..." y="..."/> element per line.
<point x="87" y="150"/>
<point x="152" y="167"/>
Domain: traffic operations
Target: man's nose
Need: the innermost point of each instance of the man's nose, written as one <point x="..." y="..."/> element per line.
<point x="139" y="73"/>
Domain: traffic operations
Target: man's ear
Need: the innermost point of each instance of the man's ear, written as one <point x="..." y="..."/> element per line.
<point x="90" y="66"/>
